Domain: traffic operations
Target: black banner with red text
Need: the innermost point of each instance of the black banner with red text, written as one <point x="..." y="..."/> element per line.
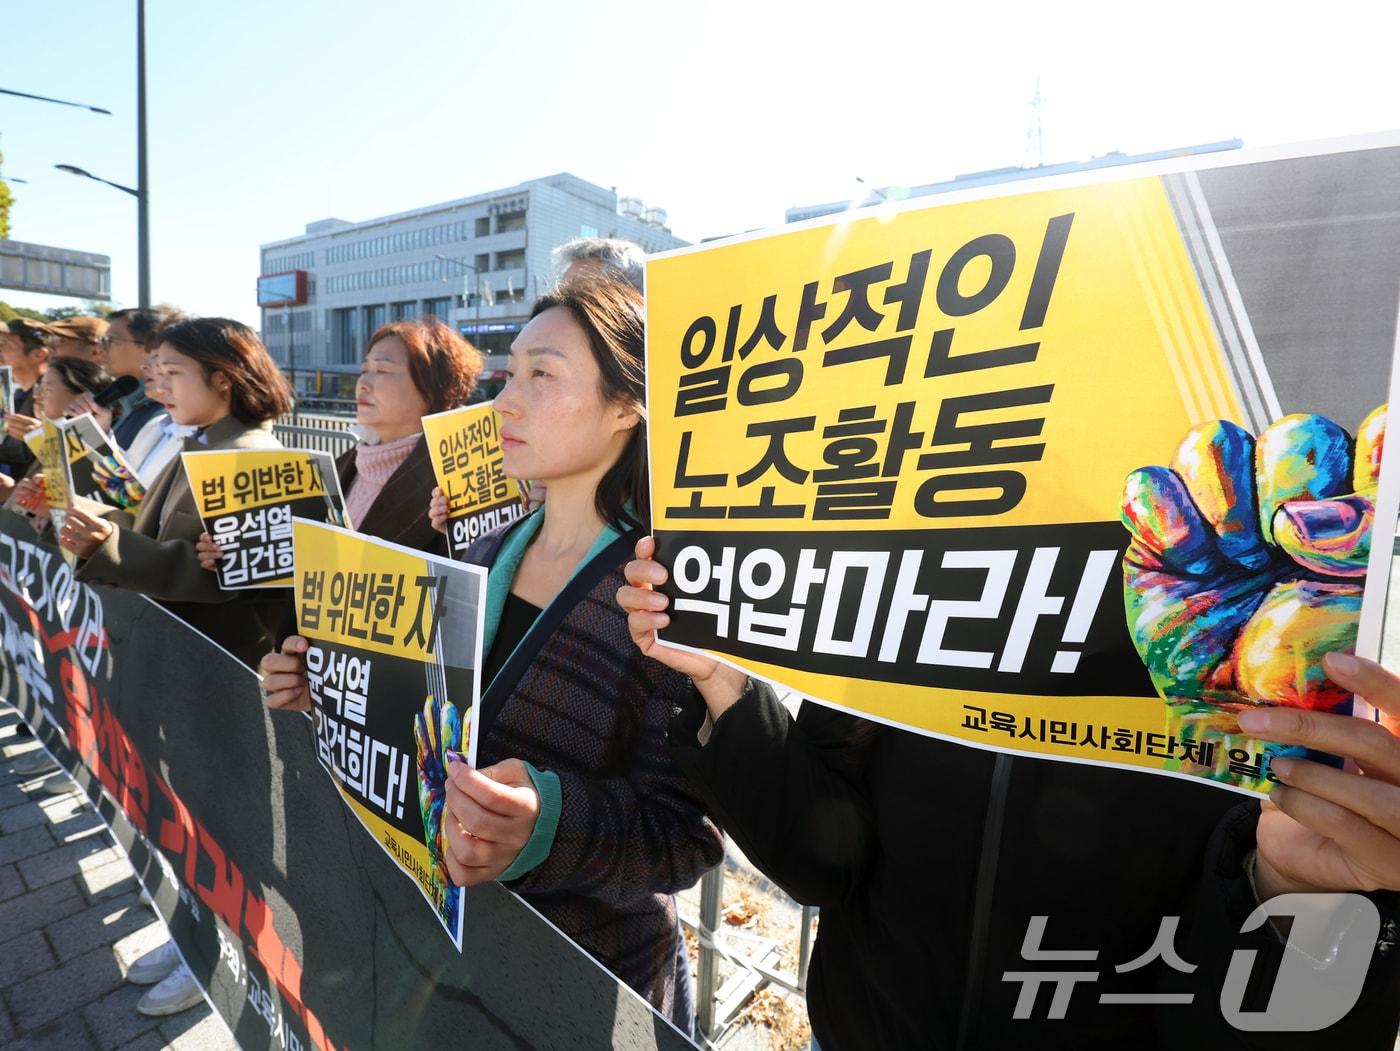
<point x="298" y="925"/>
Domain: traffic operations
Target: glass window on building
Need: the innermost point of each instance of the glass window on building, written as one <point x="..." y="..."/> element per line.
<point x="512" y="221"/>
<point x="438" y="308"/>
<point x="344" y="345"/>
<point x="483" y="226"/>
<point x="493" y="343"/>
<point x="512" y="260"/>
<point x="483" y="263"/>
<point x="403" y="311"/>
<point x="375" y="316"/>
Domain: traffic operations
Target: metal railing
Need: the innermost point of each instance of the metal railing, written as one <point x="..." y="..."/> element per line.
<point x="718" y="1005"/>
<point x="331" y="440"/>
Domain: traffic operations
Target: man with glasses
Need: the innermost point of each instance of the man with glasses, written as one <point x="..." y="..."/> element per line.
<point x="131" y="335"/>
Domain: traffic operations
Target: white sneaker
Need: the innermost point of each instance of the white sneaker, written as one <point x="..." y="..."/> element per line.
<point x="155" y="966"/>
<point x="34" y="763"/>
<point x="174" y="994"/>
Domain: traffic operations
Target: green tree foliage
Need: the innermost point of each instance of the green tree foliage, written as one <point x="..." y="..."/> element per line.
<point x="9" y="313"/>
<point x="5" y="201"/>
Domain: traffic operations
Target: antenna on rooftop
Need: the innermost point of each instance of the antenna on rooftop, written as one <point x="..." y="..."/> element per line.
<point x="1034" y="155"/>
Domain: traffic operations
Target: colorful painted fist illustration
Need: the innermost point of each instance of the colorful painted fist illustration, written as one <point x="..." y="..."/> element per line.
<point x="1248" y="558"/>
<point x="117" y="481"/>
<point x="437" y="729"/>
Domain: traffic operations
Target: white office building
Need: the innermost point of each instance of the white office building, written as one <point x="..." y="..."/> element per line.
<point x="477" y="263"/>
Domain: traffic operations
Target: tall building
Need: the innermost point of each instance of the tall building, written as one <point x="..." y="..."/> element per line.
<point x="478" y="263"/>
<point x="1000" y="175"/>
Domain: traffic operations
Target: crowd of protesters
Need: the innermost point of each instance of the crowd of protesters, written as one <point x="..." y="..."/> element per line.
<point x="609" y="762"/>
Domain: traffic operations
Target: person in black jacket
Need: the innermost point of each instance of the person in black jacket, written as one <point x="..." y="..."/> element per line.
<point x="946" y="874"/>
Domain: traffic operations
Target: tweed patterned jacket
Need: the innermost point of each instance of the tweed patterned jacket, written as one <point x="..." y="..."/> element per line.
<point x="579" y="699"/>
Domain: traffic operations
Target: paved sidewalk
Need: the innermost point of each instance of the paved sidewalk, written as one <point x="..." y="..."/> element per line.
<point x="71" y="923"/>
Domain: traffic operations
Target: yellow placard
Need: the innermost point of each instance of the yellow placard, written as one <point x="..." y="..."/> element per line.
<point x="465" y="445"/>
<point x="392" y="669"/>
<point x="356" y="592"/>
<point x="49" y="442"/>
<point x="889" y="456"/>
<point x="228" y="481"/>
<point x="1123" y="322"/>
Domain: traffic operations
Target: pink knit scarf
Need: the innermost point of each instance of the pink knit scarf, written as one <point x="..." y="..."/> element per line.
<point x="373" y="466"/>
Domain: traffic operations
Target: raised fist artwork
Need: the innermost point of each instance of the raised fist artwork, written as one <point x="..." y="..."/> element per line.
<point x="1247" y="560"/>
<point x="437" y="729"/>
<point x="117" y="481"/>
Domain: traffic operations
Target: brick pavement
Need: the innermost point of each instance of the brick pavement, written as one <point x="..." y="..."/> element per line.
<point x="71" y="923"/>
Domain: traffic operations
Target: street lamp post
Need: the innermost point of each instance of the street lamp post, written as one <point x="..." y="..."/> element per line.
<point x="60" y="102"/>
<point x="143" y="211"/>
<point x="73" y="169"/>
<point x="142" y="234"/>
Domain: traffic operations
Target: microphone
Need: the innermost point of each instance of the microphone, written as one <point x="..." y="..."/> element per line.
<point x="115" y="391"/>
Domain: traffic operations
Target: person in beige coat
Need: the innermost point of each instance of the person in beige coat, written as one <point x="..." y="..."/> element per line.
<point x="218" y="377"/>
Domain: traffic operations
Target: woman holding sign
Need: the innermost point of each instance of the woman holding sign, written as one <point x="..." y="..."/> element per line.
<point x="411" y="369"/>
<point x="218" y="378"/>
<point x="576" y="805"/>
<point x="63" y="382"/>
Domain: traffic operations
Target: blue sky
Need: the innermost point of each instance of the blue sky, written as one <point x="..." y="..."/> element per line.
<point x="264" y="116"/>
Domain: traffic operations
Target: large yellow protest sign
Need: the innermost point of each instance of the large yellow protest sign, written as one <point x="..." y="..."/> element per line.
<point x="1006" y="470"/>
<point x="247" y="499"/>
<point x="396" y="640"/>
<point x="465" y="445"/>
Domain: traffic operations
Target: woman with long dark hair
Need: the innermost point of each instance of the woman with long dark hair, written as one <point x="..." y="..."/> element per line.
<point x="576" y="805"/>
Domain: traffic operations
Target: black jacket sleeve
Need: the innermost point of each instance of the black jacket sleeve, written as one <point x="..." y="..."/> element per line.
<point x="16" y="456"/>
<point x="790" y="792"/>
<point x="1213" y="937"/>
